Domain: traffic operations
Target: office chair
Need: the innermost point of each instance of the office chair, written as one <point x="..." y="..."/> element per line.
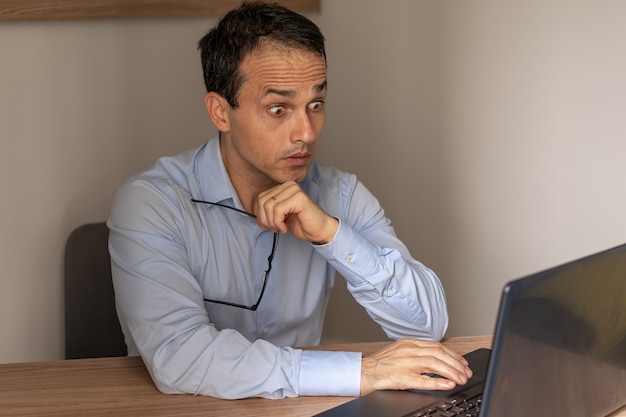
<point x="92" y="328"/>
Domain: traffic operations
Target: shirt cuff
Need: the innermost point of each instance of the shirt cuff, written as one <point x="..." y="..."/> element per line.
<point x="330" y="373"/>
<point x="352" y="251"/>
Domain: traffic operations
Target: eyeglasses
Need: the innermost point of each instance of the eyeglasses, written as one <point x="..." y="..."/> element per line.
<point x="254" y="306"/>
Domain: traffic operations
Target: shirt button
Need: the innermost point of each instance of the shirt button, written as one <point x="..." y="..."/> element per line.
<point x="350" y="258"/>
<point x="266" y="330"/>
<point x="389" y="293"/>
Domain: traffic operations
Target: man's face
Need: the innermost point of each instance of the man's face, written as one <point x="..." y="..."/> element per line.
<point x="274" y="133"/>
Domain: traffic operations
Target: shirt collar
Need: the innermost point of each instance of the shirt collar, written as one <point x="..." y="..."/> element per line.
<point x="215" y="185"/>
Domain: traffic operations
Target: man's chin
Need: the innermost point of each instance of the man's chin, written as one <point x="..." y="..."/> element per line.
<point x="295" y="174"/>
<point x="297" y="179"/>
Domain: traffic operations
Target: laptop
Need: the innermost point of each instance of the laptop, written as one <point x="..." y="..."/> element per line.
<point x="559" y="349"/>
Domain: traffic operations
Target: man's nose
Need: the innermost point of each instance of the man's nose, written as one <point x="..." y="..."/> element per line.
<point x="303" y="128"/>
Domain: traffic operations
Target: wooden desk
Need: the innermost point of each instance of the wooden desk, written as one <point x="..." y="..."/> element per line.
<point x="122" y="387"/>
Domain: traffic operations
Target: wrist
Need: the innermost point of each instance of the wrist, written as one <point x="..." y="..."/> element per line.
<point x="330" y="232"/>
<point x="367" y="366"/>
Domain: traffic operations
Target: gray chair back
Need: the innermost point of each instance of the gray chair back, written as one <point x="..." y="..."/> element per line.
<point x="92" y="328"/>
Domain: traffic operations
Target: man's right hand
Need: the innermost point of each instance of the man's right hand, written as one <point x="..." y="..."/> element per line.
<point x="406" y="363"/>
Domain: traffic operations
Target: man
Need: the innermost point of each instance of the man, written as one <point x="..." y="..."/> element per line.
<point x="197" y="295"/>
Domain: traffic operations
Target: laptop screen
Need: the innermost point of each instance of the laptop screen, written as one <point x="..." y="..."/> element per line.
<point x="561" y="341"/>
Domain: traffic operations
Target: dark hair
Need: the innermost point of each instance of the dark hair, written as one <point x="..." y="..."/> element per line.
<point x="242" y="31"/>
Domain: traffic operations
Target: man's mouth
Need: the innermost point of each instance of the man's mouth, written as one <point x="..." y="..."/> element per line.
<point x="297" y="159"/>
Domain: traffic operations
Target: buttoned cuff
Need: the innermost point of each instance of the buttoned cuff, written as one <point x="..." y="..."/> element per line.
<point x="330" y="373"/>
<point x="352" y="252"/>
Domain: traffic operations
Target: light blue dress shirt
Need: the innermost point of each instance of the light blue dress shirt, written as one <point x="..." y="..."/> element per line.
<point x="168" y="253"/>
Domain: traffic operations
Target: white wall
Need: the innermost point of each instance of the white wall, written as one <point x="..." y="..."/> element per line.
<point x="492" y="131"/>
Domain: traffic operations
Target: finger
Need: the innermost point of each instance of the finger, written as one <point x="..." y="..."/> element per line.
<point x="263" y="211"/>
<point x="445" y="367"/>
<point x="426" y="382"/>
<point x="443" y="348"/>
<point x="266" y="210"/>
<point x="440" y="371"/>
<point x="260" y="211"/>
<point x="439" y="362"/>
<point x="450" y="360"/>
<point x="276" y="205"/>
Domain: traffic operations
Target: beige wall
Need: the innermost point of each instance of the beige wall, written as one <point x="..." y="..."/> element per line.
<point x="492" y="131"/>
<point x="533" y="143"/>
<point x="383" y="124"/>
<point x="83" y="105"/>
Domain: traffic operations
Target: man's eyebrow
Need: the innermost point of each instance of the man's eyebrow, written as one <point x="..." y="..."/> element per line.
<point x="290" y="93"/>
<point x="279" y="92"/>
<point x="321" y="86"/>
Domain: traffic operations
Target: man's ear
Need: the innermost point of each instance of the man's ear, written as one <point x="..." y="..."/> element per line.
<point x="218" y="109"/>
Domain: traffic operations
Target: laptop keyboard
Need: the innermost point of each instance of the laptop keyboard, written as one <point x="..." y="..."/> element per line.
<point x="465" y="403"/>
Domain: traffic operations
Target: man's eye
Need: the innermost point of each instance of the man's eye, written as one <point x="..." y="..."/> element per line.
<point x="277" y="110"/>
<point x="316" y="105"/>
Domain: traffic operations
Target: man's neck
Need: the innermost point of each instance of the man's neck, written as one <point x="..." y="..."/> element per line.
<point x="247" y="187"/>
